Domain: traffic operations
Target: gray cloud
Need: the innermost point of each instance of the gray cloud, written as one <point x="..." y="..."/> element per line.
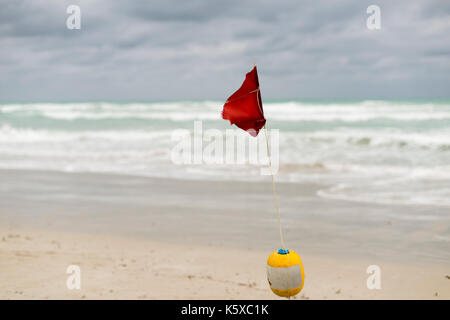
<point x="151" y="50"/>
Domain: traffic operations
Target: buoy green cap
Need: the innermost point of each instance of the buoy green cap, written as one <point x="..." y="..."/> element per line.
<point x="283" y="251"/>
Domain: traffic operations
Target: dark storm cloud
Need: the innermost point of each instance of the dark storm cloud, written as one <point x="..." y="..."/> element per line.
<point x="141" y="50"/>
<point x="163" y="10"/>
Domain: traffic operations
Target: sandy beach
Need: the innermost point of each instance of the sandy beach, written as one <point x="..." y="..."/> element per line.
<point x="34" y="262"/>
<point x="142" y="238"/>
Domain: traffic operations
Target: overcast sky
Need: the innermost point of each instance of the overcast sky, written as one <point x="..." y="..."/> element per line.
<point x="201" y="49"/>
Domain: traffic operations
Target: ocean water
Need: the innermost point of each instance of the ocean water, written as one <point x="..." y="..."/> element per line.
<point x="392" y="152"/>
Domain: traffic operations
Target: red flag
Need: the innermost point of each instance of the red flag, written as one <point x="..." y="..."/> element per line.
<point x="244" y="107"/>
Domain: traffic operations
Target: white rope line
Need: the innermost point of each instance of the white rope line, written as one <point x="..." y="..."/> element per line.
<point x="275" y="198"/>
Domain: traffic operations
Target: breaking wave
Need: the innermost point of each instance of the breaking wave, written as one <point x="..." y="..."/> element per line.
<point x="372" y="151"/>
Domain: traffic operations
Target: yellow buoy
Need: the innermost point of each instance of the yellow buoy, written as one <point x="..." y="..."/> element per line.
<point x="285" y="273"/>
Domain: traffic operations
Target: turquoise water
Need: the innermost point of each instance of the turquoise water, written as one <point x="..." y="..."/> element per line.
<point x="372" y="151"/>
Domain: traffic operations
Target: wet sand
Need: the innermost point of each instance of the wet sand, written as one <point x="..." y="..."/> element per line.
<point x="137" y="237"/>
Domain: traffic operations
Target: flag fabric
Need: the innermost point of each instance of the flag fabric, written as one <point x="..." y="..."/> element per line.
<point x="244" y="107"/>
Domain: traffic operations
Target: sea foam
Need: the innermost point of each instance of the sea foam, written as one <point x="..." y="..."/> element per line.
<point x="373" y="151"/>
